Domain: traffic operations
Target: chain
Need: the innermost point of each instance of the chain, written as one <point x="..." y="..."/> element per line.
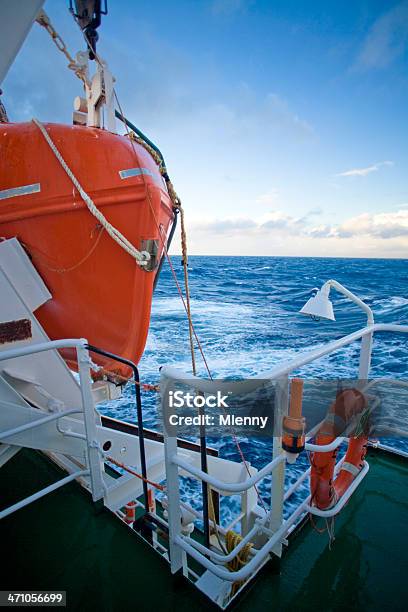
<point x="80" y="71"/>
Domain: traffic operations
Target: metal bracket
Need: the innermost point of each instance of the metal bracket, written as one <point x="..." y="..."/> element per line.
<point x="151" y="246"/>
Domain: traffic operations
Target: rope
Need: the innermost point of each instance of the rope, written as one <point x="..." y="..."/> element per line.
<point x="211" y="512"/>
<point x="232" y="539"/>
<point x="117" y="378"/>
<point x="141" y="257"/>
<point x="128" y="469"/>
<point x="186" y="285"/>
<point x="146" y="146"/>
<point x="34" y="252"/>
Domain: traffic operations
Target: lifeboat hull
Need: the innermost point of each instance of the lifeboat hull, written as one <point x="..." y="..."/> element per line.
<point x="99" y="292"/>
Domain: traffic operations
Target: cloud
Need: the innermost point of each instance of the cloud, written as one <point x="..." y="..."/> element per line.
<point x="271" y="221"/>
<point x="386" y="41"/>
<point x="383" y="234"/>
<point x="365" y="171"/>
<point x="277" y="220"/>
<point x="321" y="231"/>
<point x="383" y="226"/>
<point x="379" y="225"/>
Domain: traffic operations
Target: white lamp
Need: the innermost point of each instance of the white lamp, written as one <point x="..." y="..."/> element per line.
<point x="319" y="306"/>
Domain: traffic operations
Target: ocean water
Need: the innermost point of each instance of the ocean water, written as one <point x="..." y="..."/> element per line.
<point x="245" y="312"/>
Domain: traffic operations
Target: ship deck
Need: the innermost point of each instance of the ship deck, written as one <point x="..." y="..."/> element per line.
<point x="64" y="542"/>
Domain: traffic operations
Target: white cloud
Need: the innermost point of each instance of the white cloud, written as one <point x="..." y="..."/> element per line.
<point x="386" y="41"/>
<point x="277" y="233"/>
<point x="379" y="225"/>
<point x="266" y="223"/>
<point x="383" y="225"/>
<point x="367" y="170"/>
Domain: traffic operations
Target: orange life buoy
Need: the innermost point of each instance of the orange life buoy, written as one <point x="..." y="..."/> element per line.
<point x="324" y="491"/>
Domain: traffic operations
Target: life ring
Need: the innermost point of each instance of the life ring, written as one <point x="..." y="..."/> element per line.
<point x="324" y="491"/>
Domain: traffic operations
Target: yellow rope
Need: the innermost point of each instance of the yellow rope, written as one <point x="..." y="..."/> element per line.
<point x="177" y="205"/>
<point x="232" y="539"/>
<point x="211" y="514"/>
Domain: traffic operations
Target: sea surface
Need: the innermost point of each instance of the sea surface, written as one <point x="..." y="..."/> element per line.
<point x="246" y="313"/>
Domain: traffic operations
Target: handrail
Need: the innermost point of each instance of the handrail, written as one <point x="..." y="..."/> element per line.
<point x="232" y="487"/>
<point x="197" y="551"/>
<point x="300" y="360"/>
<point x="324" y="448"/>
<point x="40" y="347"/>
<point x="211" y="559"/>
<point x="351" y="296"/>
<point x="330" y="512"/>
<point x="37" y="423"/>
<point x="256" y="560"/>
<point x="88" y="409"/>
<point x="259" y="524"/>
<point x="139" y="412"/>
<point x="309" y="356"/>
<point x="43" y="492"/>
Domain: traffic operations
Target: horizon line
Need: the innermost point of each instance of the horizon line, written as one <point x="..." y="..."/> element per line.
<point x="295" y="256"/>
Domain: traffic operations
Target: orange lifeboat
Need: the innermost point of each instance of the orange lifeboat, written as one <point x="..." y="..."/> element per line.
<point x="99" y="292"/>
<point x="325" y="491"/>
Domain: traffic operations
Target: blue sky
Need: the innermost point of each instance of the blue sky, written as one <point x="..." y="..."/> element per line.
<point x="284" y="123"/>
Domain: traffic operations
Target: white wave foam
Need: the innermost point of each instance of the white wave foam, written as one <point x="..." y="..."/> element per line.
<point x="390" y="304"/>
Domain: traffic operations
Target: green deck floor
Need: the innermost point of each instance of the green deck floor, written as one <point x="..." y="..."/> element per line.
<point x="61" y="542"/>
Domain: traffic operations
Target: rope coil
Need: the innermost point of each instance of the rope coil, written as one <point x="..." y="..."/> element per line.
<point x="232" y="539"/>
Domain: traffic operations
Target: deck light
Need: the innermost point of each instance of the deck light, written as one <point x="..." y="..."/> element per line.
<point x="319" y="306"/>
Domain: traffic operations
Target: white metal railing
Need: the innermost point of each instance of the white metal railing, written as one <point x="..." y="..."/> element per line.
<point x="32" y="424"/>
<point x="181" y="544"/>
<point x="233" y="487"/>
<point x="94" y="467"/>
<point x="43" y="492"/>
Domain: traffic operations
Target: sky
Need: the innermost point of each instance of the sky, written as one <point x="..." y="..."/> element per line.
<point x="283" y="123"/>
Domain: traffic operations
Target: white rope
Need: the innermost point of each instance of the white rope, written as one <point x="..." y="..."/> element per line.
<point x="142" y="257"/>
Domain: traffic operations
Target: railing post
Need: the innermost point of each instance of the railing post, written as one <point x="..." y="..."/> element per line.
<point x="365" y="356"/>
<point x="172" y="482"/>
<point x="94" y="458"/>
<point x="278" y="474"/>
<point x="139" y="412"/>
